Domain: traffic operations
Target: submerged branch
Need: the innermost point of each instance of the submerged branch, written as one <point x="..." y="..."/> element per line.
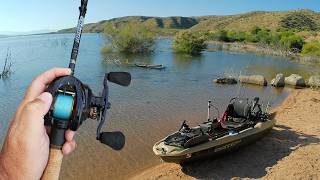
<point x="6" y="71"/>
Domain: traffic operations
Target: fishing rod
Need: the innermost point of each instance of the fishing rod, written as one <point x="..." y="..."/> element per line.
<point x="74" y="102"/>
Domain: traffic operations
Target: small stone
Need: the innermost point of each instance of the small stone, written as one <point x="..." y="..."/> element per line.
<point x="254" y="79"/>
<point x="314" y="81"/>
<point x="225" y="80"/>
<point x="295" y="80"/>
<point x="279" y="81"/>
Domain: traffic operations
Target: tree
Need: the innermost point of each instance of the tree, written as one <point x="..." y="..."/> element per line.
<point x="130" y="38"/>
<point x="189" y="43"/>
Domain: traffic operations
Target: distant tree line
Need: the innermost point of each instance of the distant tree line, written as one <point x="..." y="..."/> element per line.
<point x="139" y="39"/>
<point x="282" y="38"/>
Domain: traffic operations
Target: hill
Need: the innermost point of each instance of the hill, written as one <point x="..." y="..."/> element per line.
<point x="241" y="22"/>
<point x="159" y="23"/>
<point x="245" y="22"/>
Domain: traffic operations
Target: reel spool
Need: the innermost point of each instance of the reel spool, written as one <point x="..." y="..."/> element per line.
<point x="63" y="107"/>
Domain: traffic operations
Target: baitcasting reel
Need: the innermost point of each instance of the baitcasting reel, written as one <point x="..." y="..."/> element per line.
<point x="74" y="102"/>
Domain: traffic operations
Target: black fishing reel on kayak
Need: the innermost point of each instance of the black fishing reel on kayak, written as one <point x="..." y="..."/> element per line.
<point x="74" y="102"/>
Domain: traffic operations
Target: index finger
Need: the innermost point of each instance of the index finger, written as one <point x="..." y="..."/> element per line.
<point x="40" y="83"/>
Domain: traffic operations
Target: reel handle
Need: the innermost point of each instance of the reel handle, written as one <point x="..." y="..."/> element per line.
<point x="52" y="170"/>
<point x="115" y="140"/>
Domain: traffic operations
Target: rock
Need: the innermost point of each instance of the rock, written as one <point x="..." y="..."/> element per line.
<point x="314" y="81"/>
<point x="254" y="79"/>
<point x="225" y="80"/>
<point x="278" y="81"/>
<point x="295" y="80"/>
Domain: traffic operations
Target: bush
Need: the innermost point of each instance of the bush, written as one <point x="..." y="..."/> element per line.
<point x="255" y="30"/>
<point x="252" y="38"/>
<point x="298" y="21"/>
<point x="293" y="43"/>
<point x="221" y="35"/>
<point x="189" y="43"/>
<point x="130" y="38"/>
<point x="311" y="48"/>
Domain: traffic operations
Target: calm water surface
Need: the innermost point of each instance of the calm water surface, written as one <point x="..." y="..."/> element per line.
<point x="153" y="106"/>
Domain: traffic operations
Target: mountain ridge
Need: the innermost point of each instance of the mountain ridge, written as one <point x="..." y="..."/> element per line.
<point x="244" y="22"/>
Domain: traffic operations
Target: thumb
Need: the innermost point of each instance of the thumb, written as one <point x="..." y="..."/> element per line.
<point x="41" y="105"/>
<point x="46" y="99"/>
<point x="34" y="111"/>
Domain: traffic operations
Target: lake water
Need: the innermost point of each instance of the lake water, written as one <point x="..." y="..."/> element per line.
<point x="153" y="106"/>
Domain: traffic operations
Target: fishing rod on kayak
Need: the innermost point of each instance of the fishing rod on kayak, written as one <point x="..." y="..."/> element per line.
<point x="74" y="102"/>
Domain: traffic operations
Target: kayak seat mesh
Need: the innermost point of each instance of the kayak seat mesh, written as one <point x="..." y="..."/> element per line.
<point x="241" y="108"/>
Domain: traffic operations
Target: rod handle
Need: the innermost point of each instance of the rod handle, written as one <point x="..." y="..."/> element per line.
<point x="52" y="170"/>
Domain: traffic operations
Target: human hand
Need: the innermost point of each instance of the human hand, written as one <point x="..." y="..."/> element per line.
<point x="25" y="152"/>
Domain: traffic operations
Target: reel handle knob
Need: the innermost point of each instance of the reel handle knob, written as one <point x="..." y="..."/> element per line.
<point x="115" y="140"/>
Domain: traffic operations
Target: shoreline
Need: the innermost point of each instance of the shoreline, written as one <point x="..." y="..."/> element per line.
<point x="261" y="50"/>
<point x="290" y="150"/>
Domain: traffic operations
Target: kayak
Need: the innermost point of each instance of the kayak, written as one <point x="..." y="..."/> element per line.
<point x="243" y="124"/>
<point x="147" y="66"/>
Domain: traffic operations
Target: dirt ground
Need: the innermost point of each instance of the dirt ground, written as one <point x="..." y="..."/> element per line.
<point x="290" y="151"/>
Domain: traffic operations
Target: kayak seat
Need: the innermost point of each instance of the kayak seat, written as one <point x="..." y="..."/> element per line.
<point x="196" y="140"/>
<point x="241" y="108"/>
<point x="205" y="128"/>
<point x="231" y="125"/>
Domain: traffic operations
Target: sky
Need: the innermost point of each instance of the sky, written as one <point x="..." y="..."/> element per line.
<point x="34" y="15"/>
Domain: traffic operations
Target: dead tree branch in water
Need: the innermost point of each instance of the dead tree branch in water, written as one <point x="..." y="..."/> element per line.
<point x="6" y="71"/>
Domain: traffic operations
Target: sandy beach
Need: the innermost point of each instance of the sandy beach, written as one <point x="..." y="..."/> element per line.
<point x="290" y="151"/>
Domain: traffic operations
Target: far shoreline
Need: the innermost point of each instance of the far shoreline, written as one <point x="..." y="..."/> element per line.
<point x="261" y="50"/>
<point x="222" y="46"/>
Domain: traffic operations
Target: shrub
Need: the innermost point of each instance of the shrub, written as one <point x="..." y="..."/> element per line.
<point x="311" y="48"/>
<point x="241" y="36"/>
<point x="252" y="38"/>
<point x="255" y="30"/>
<point x="265" y="37"/>
<point x="130" y="38"/>
<point x="293" y="42"/>
<point x="298" y="21"/>
<point x="189" y="43"/>
<point x="222" y="35"/>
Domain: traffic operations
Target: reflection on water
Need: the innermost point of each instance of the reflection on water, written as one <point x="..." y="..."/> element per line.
<point x="154" y="105"/>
